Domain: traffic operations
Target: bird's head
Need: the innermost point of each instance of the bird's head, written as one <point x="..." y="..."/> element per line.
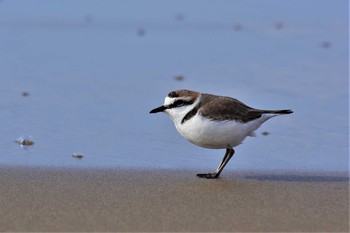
<point x="178" y="103"/>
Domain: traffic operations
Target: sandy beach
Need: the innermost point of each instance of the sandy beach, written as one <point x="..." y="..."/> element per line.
<point x="37" y="199"/>
<point x="81" y="153"/>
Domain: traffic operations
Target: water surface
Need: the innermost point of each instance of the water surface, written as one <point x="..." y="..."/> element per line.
<point x="92" y="77"/>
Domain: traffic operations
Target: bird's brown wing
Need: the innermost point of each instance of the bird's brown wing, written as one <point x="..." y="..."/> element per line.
<point x="221" y="108"/>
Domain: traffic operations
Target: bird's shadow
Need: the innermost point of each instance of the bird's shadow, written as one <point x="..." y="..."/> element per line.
<point x="298" y="178"/>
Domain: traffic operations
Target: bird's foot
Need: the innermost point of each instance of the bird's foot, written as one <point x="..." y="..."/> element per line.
<point x="209" y="175"/>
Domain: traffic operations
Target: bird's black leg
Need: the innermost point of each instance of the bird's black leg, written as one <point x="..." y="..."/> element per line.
<point x="228" y="155"/>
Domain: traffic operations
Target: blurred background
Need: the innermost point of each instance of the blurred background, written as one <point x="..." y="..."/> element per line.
<point x="81" y="77"/>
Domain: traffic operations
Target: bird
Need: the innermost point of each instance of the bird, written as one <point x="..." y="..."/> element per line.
<point x="213" y="121"/>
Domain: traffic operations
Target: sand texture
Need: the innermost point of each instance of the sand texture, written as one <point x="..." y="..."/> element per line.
<point x="38" y="199"/>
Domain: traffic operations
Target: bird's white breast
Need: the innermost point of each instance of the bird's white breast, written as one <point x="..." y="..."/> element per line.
<point x="207" y="133"/>
<point x="211" y="134"/>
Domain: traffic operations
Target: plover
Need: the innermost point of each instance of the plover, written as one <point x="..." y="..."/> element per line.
<point x="212" y="121"/>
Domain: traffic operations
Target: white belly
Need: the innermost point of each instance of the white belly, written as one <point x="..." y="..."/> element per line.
<point x="215" y="134"/>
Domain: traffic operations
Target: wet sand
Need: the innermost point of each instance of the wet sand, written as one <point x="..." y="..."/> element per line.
<point x="36" y="199"/>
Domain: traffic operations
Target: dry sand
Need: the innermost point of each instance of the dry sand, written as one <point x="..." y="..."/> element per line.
<point x="137" y="200"/>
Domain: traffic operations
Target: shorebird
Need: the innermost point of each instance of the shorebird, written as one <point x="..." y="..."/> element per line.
<point x="212" y="121"/>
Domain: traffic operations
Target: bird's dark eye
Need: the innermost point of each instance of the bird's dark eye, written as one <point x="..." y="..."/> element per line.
<point x="179" y="103"/>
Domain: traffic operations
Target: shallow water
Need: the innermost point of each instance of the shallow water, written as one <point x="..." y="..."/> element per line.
<point x="91" y="78"/>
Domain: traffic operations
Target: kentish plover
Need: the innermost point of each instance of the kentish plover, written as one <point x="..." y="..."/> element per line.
<point x="211" y="121"/>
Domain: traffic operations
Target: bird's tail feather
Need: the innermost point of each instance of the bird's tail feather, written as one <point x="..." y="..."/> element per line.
<point x="287" y="111"/>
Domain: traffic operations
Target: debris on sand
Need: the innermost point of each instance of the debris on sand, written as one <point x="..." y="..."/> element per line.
<point x="326" y="44"/>
<point x="88" y="18"/>
<point x="25" y="140"/>
<point x="179" y="17"/>
<point x="279" y="25"/>
<point x="78" y="155"/>
<point x="25" y="93"/>
<point x="179" y="78"/>
<point x="141" y="32"/>
<point x="237" y="27"/>
<point x="265" y="133"/>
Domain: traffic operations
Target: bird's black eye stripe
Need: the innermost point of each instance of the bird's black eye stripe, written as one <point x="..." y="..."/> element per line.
<point x="179" y="103"/>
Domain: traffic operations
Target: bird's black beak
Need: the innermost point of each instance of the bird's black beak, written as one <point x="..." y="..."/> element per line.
<point x="160" y="109"/>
